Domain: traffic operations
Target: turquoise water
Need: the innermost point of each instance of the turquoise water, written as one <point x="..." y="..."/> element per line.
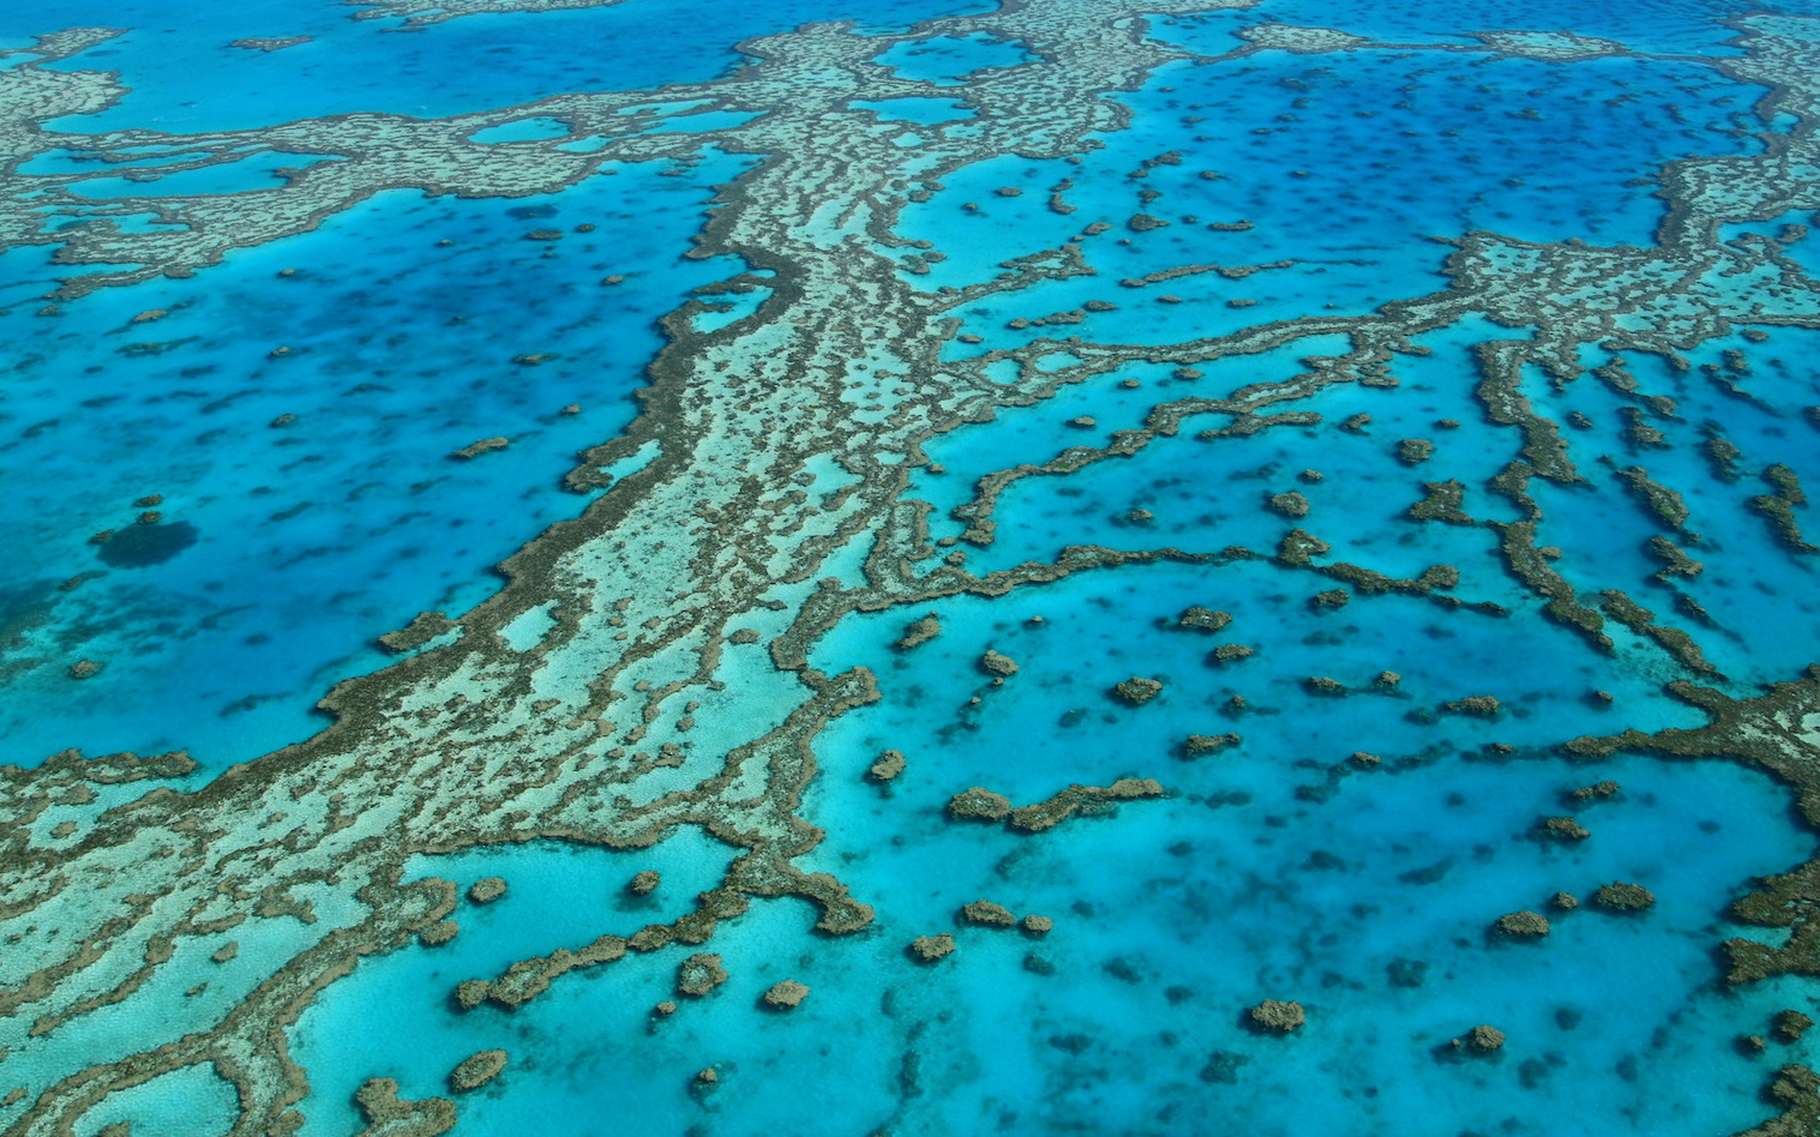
<point x="946" y="60"/>
<point x="225" y="483"/>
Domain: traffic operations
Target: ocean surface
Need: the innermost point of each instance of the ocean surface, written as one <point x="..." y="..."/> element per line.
<point x="1129" y="351"/>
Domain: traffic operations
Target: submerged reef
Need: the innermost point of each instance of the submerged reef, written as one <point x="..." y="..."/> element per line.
<point x="1481" y="1039"/>
<point x="1522" y="925"/>
<point x="477" y="1070"/>
<point x="1277" y="1016"/>
<point x="786" y="995"/>
<point x="653" y="705"/>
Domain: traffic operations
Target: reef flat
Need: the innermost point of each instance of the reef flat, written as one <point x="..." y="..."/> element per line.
<point x="1169" y="557"/>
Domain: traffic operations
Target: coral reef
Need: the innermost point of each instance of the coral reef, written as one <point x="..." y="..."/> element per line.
<point x="700" y="974"/>
<point x="1203" y="619"/>
<point x="785" y="995"/>
<point x="1481" y="1039"/>
<point x="487" y="889"/>
<point x="1623" y="896"/>
<point x="1201" y="745"/>
<point x="1079" y="799"/>
<point x="987" y="914"/>
<point x="477" y="1070"/>
<point x="482" y="446"/>
<point x="979" y="804"/>
<point x="390" y="1116"/>
<point x="921" y="631"/>
<point x="1562" y="829"/>
<point x="453" y="747"/>
<point x="887" y="766"/>
<point x="997" y="664"/>
<point x="1137" y="690"/>
<point x="1478" y="706"/>
<point x="1289" y="504"/>
<point x="1790" y="1025"/>
<point x="1277" y="1016"/>
<point x="1522" y="925"/>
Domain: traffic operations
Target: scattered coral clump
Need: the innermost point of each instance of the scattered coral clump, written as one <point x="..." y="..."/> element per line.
<point x="1522" y="925"/>
<point x="987" y="914"/>
<point x="920" y="632"/>
<point x="1790" y="1025"/>
<point x="487" y="889"/>
<point x="1477" y="706"/>
<point x="1289" y="504"/>
<point x="699" y="974"/>
<point x="477" y="1070"/>
<point x="979" y="804"/>
<point x="1562" y="829"/>
<point x="1137" y="690"/>
<point x="1201" y="745"/>
<point x="1482" y="1039"/>
<point x="1277" y="1016"/>
<point x="1622" y="896"/>
<point x="997" y="664"/>
<point x="1203" y="619"/>
<point x="888" y="766"/>
<point x="786" y="995"/>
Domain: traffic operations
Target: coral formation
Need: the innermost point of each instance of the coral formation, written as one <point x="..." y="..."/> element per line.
<point x="785" y="995"/>
<point x="1623" y="896"/>
<point x="477" y="1070"/>
<point x="1562" y="829"/>
<point x="987" y="914"/>
<point x="979" y="804"/>
<point x="887" y="766"/>
<point x="921" y="631"/>
<point x="1790" y="1025"/>
<point x="1201" y="745"/>
<point x="487" y="889"/>
<point x="997" y="664"/>
<point x="1277" y="1016"/>
<point x="1481" y="1039"/>
<point x="1203" y="619"/>
<point x="699" y="974"/>
<point x="1137" y="690"/>
<point x="1522" y="925"/>
<point x="453" y="747"/>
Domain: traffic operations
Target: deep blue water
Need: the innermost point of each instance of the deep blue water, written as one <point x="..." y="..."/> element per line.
<point x="304" y="551"/>
<point x="1665" y="26"/>
<point x="185" y="77"/>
